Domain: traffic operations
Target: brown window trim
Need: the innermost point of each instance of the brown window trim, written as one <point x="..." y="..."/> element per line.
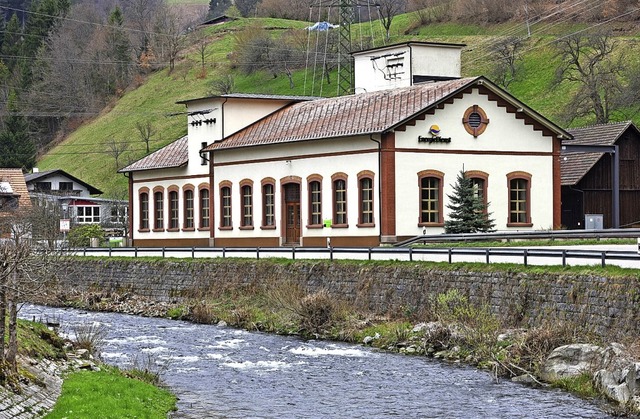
<point x="189" y="229"/>
<point x="185" y="189"/>
<point x="173" y="189"/>
<point x="519" y="175"/>
<point x="161" y="190"/>
<point x="339" y="225"/>
<point x="246" y="228"/>
<point x="144" y="191"/>
<point x="221" y="186"/>
<point x="243" y="184"/>
<point x="440" y="176"/>
<point x="272" y="183"/>
<point x="310" y="179"/>
<point x="366" y="174"/>
<point x="478" y="174"/>
<point x="273" y="227"/>
<point x="143" y="230"/>
<point x="334" y="178"/>
<point x="203" y="187"/>
<point x="225" y="228"/>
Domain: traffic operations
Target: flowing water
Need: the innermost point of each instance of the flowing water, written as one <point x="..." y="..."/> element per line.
<point x="220" y="372"/>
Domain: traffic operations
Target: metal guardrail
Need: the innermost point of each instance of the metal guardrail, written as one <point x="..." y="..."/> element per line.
<point x="524" y="256"/>
<point x="619" y="233"/>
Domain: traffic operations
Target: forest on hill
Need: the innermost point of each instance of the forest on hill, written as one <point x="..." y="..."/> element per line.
<point x="91" y="86"/>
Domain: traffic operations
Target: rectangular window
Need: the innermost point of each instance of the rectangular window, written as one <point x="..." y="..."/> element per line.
<point x="43" y="186"/>
<point x="65" y="186"/>
<point x="340" y="202"/>
<point x="225" y="203"/>
<point x="479" y="189"/>
<point x="173" y="210"/>
<point x="430" y="200"/>
<point x="268" y="203"/>
<point x="315" y="207"/>
<point x="88" y="215"/>
<point x="204" y="208"/>
<point x="118" y="214"/>
<point x="518" y="201"/>
<point x="188" y="209"/>
<point x="144" y="211"/>
<point x="366" y="201"/>
<point x="159" y="210"/>
<point x="247" y="206"/>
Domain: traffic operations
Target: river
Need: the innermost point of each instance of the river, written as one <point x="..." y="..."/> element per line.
<point x="221" y="372"/>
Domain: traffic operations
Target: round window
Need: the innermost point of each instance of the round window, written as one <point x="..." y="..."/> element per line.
<point x="475" y="120"/>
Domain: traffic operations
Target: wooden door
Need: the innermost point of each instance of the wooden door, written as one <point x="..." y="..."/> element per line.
<point x="293" y="222"/>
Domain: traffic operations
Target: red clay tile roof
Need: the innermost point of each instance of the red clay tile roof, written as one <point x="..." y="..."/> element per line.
<point x="175" y="154"/>
<point x="361" y="114"/>
<point x="574" y="166"/>
<point x="15" y="178"/>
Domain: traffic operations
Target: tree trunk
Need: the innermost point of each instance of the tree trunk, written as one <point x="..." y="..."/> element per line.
<point x="12" y="348"/>
<point x="3" y="316"/>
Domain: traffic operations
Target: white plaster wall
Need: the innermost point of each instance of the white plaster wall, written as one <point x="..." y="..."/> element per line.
<point x="419" y="60"/>
<point x="489" y="152"/>
<point x="55" y="184"/>
<point x="281" y="165"/>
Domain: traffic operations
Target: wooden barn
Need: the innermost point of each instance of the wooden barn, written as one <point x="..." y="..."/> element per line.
<point x="588" y="177"/>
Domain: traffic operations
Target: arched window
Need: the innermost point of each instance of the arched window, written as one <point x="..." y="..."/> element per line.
<point x="158" y="210"/>
<point x="174" y="210"/>
<point x="519" y="184"/>
<point x="144" y="211"/>
<point x="365" y="202"/>
<point x="189" y="222"/>
<point x="246" y="198"/>
<point x="204" y="208"/>
<point x="315" y="200"/>
<point x="225" y="206"/>
<point x="430" y="183"/>
<point x="268" y="203"/>
<point x="339" y="200"/>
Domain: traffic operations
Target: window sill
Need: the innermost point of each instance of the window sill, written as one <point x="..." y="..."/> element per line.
<point x="267" y="227"/>
<point x="312" y="226"/>
<point x="173" y="230"/>
<point x="225" y="228"/>
<point x="340" y="226"/>
<point x="246" y="227"/>
<point x="204" y="229"/>
<point x="158" y="230"/>
<point x="366" y="225"/>
<point x="143" y="230"/>
<point x="189" y="229"/>
<point x="430" y="224"/>
<point x="519" y="224"/>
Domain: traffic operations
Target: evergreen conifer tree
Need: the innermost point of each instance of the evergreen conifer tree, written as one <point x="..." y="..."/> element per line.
<point x="468" y="211"/>
<point x="18" y="150"/>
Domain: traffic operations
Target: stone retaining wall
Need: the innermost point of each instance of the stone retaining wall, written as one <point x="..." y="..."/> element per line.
<point x="608" y="306"/>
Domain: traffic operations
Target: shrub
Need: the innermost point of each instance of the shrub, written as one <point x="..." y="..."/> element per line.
<point x="80" y="236"/>
<point x="316" y="312"/>
<point x="90" y="336"/>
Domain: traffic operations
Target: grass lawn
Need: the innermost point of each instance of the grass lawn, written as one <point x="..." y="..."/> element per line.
<point x="109" y="394"/>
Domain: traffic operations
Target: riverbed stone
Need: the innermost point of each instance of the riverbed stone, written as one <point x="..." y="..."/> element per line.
<point x="571" y="361"/>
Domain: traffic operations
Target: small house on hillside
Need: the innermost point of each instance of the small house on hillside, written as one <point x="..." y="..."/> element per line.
<point x="13" y="194"/>
<point x="76" y="199"/>
<point x="588" y="177"/>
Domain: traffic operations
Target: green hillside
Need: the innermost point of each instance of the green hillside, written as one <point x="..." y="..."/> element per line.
<point x="87" y="152"/>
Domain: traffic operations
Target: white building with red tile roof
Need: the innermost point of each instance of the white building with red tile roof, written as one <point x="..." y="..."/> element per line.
<point x="360" y="170"/>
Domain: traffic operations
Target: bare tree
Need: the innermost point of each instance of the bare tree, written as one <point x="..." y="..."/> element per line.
<point x="116" y="149"/>
<point x="589" y="62"/>
<point x="388" y="9"/>
<point x="170" y="35"/>
<point x="507" y="58"/>
<point x="201" y="41"/>
<point x="22" y="269"/>
<point x="146" y="130"/>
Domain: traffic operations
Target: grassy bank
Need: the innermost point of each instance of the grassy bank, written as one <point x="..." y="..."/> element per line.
<point x="110" y="393"/>
<point x="105" y="393"/>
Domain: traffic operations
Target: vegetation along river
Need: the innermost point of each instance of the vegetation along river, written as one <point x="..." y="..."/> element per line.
<point x="220" y="372"/>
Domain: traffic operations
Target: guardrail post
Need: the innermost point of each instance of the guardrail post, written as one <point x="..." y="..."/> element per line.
<point x="411" y="254"/>
<point x="330" y="252"/>
<point x="369" y="253"/>
<point x="564" y="258"/>
<point x="135" y="252"/>
<point x="526" y="256"/>
<point x="109" y="251"/>
<point x="603" y="257"/>
<point x="257" y="253"/>
<point x="193" y="253"/>
<point x="163" y="252"/>
<point x="487" y="251"/>
<point x="84" y="251"/>
<point x="450" y="254"/>
<point x="224" y="252"/>
<point x="293" y="252"/>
